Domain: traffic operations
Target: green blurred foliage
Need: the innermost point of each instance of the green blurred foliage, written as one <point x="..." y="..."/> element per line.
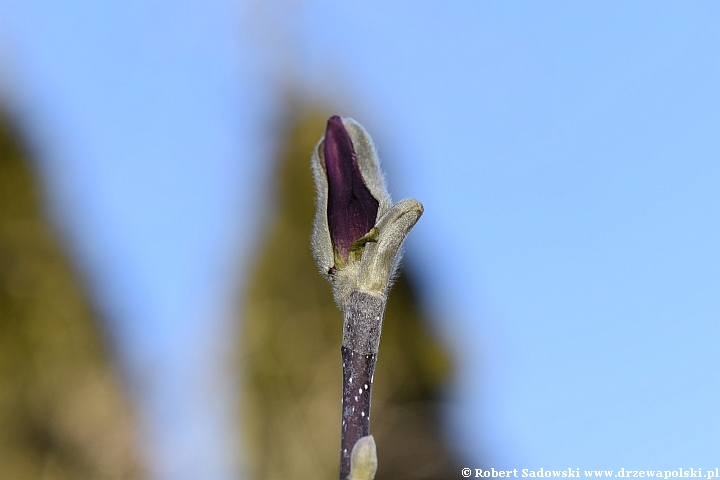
<point x="290" y="347"/>
<point x="63" y="414"/>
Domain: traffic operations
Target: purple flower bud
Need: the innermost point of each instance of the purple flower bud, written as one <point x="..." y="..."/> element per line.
<point x="358" y="232"/>
<point x="351" y="208"/>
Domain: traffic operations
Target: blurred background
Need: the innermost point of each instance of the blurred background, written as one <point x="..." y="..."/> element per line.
<point x="160" y="314"/>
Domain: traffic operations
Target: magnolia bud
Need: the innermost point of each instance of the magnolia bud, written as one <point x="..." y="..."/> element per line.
<point x="363" y="460"/>
<point x="358" y="232"/>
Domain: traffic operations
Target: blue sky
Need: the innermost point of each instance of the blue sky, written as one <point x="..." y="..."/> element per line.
<point x="567" y="154"/>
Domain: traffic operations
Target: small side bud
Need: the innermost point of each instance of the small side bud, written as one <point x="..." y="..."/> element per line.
<point x="382" y="257"/>
<point x="363" y="460"/>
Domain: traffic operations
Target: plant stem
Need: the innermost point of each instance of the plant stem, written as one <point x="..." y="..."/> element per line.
<point x="362" y="322"/>
<point x="358" y="372"/>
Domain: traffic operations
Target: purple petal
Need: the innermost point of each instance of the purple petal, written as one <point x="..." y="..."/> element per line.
<point x="352" y="210"/>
